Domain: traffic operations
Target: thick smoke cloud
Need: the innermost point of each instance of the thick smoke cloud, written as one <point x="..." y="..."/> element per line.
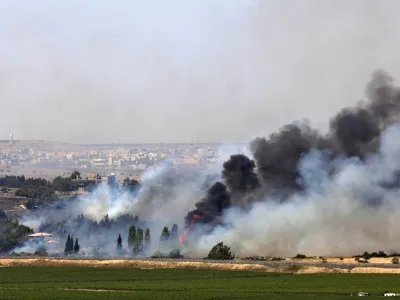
<point x="332" y="194"/>
<point x="334" y="216"/>
<point x="299" y="190"/>
<point x="239" y="175"/>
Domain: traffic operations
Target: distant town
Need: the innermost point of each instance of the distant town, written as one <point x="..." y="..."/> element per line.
<point x="50" y="159"/>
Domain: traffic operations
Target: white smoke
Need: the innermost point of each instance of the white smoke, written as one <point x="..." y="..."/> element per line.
<point x="344" y="214"/>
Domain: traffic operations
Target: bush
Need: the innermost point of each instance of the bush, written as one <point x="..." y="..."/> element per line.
<point x="277" y="259"/>
<point x="158" y="254"/>
<point x="300" y="256"/>
<point x="395" y="260"/>
<point x="40" y="252"/>
<point x="341" y="258"/>
<point x="220" y="252"/>
<point x="293" y="268"/>
<point x="175" y="253"/>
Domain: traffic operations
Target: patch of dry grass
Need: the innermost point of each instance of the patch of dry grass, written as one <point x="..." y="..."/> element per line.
<point x="150" y="264"/>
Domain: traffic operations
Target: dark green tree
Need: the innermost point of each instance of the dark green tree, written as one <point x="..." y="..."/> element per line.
<point x="131" y="237"/>
<point x="147" y="240"/>
<point x="174" y="235"/>
<point x="69" y="245"/>
<point x="119" y="243"/>
<point x="30" y="204"/>
<point x="12" y="234"/>
<point x="75" y="175"/>
<point x="131" y="185"/>
<point x="138" y="248"/>
<point x="220" y="252"/>
<point x="77" y="247"/>
<point x="165" y="235"/>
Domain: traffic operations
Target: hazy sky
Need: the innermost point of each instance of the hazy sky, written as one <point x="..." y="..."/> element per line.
<point x="180" y="71"/>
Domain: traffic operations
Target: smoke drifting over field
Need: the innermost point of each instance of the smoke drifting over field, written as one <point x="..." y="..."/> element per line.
<point x="296" y="191"/>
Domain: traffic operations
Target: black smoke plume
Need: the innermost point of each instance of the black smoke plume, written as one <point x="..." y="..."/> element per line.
<point x="240" y="178"/>
<point x="210" y="208"/>
<point x="354" y="132"/>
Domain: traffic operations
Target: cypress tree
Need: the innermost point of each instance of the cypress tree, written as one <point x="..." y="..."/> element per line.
<point x="165" y="234"/>
<point x="66" y="250"/>
<point x="76" y="246"/>
<point x="119" y="243"/>
<point x="71" y="244"/>
<point x="132" y="237"/>
<point x="147" y="240"/>
<point x="174" y="236"/>
<point x="138" y="242"/>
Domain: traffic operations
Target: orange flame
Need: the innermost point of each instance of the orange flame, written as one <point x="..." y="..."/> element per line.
<point x="184" y="235"/>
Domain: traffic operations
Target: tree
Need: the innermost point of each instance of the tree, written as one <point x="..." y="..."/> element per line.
<point x="165" y="235"/>
<point x="69" y="245"/>
<point x="76" y="246"/>
<point x="131" y="185"/>
<point x="147" y="239"/>
<point x="30" y="204"/>
<point x="395" y="260"/>
<point x="174" y="234"/>
<point x="220" y="252"/>
<point x="119" y="243"/>
<point x="175" y="253"/>
<point x="75" y="175"/>
<point x="131" y="237"/>
<point x="40" y="251"/>
<point x="12" y="234"/>
<point x="138" y="248"/>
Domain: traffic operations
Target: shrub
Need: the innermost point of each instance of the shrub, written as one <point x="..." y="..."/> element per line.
<point x="175" y="253"/>
<point x="277" y="259"/>
<point x="158" y="254"/>
<point x="395" y="260"/>
<point x="341" y="258"/>
<point x="220" y="252"/>
<point x="293" y="267"/>
<point x="40" y="252"/>
<point x="300" y="256"/>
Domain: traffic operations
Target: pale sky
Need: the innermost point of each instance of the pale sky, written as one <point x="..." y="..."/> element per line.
<point x="186" y="70"/>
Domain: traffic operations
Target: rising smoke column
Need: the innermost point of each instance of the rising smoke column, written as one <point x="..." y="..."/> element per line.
<point x="316" y="188"/>
<point x="277" y="157"/>
<point x="239" y="176"/>
<point x="212" y="206"/>
<point x="332" y="216"/>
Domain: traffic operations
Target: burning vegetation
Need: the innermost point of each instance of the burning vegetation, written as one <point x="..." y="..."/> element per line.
<point x="297" y="191"/>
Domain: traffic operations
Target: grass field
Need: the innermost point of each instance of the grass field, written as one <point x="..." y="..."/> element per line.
<point x="118" y="283"/>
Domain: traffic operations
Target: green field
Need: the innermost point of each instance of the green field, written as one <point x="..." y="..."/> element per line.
<point x="59" y="283"/>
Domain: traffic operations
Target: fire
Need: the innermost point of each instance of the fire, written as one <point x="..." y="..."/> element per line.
<point x="184" y="235"/>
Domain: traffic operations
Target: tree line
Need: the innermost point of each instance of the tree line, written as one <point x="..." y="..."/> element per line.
<point x="139" y="241"/>
<point x="39" y="189"/>
<point x="70" y="246"/>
